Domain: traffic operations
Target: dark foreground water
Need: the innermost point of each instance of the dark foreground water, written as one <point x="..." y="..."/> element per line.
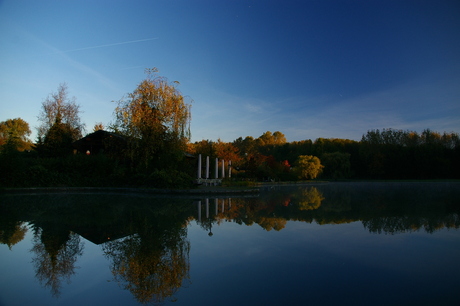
<point x="328" y="244"/>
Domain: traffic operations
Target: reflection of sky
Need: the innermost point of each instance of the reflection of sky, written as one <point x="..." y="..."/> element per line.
<point x="90" y="285"/>
<point x="247" y="265"/>
<point x="320" y="264"/>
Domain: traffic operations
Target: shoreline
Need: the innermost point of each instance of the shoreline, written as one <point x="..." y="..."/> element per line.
<point x="126" y="190"/>
<point x="200" y="190"/>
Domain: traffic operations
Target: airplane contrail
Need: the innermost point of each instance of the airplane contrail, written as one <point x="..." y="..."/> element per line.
<point x="111" y="45"/>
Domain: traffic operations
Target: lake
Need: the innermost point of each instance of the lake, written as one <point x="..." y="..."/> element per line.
<point x="318" y="244"/>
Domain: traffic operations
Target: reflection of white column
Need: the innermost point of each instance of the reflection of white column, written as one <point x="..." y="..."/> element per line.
<point x="199" y="211"/>
<point x="215" y="203"/>
<point x="229" y="168"/>
<point x="199" y="166"/>
<point x="207" y="208"/>
<point x="223" y="168"/>
<point x="223" y="201"/>
<point x="216" y="169"/>
<point x="207" y="167"/>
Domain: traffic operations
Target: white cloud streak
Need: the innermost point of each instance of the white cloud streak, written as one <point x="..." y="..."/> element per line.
<point x="112" y="45"/>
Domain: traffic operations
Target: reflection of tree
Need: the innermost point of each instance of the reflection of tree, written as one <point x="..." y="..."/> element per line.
<point x="272" y="223"/>
<point x="12" y="232"/>
<point x="382" y="208"/>
<point x="152" y="264"/>
<point x="12" y="229"/>
<point x="401" y="224"/>
<point x="56" y="254"/>
<point x="310" y="199"/>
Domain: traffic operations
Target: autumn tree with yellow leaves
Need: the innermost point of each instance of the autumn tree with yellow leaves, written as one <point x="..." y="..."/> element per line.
<point x="308" y="167"/>
<point x="155" y="118"/>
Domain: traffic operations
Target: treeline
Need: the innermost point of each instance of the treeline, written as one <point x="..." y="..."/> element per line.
<point x="385" y="154"/>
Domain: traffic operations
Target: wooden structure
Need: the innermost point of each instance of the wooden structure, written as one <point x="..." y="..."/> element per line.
<point x="96" y="142"/>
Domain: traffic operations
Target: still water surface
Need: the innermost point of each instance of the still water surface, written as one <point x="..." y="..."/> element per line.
<point x="326" y="244"/>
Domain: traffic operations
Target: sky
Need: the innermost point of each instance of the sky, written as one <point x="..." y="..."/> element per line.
<point x="309" y="69"/>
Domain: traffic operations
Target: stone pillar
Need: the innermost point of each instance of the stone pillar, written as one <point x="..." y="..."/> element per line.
<point x="229" y="168"/>
<point x="199" y="166"/>
<point x="223" y="169"/>
<point x="207" y="167"/>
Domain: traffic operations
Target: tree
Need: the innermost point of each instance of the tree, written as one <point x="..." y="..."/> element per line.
<point x="59" y="106"/>
<point x="308" y="167"/>
<point x="14" y="134"/>
<point x="58" y="140"/>
<point x="156" y="119"/>
<point x="246" y="145"/>
<point x="204" y="147"/>
<point x="267" y="138"/>
<point x="336" y="165"/>
<point x="279" y="138"/>
<point x="98" y="127"/>
<point x="227" y="151"/>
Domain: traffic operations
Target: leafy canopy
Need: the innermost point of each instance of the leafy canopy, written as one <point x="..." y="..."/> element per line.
<point x="14" y="134"/>
<point x="155" y="117"/>
<point x="308" y="167"/>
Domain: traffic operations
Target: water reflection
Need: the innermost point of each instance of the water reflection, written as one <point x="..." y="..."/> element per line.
<point x="154" y="263"/>
<point x="56" y="253"/>
<point x="389" y="210"/>
<point x="145" y="240"/>
<point x="12" y="233"/>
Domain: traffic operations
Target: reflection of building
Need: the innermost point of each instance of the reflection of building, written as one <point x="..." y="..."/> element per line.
<point x="100" y="235"/>
<point x="211" y="211"/>
<point x="220" y="205"/>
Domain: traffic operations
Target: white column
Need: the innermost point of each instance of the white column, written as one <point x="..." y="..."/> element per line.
<point x="229" y="168"/>
<point x="223" y="168"/>
<point x="216" y="175"/>
<point x="199" y="166"/>
<point x="207" y="167"/>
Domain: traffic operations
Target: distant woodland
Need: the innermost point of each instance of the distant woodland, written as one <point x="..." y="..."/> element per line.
<point x="380" y="154"/>
<point x="384" y="155"/>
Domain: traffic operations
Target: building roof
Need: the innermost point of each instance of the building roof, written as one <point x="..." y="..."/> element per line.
<point x="94" y="142"/>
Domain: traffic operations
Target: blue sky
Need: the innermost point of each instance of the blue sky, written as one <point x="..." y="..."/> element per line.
<point x="309" y="69"/>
